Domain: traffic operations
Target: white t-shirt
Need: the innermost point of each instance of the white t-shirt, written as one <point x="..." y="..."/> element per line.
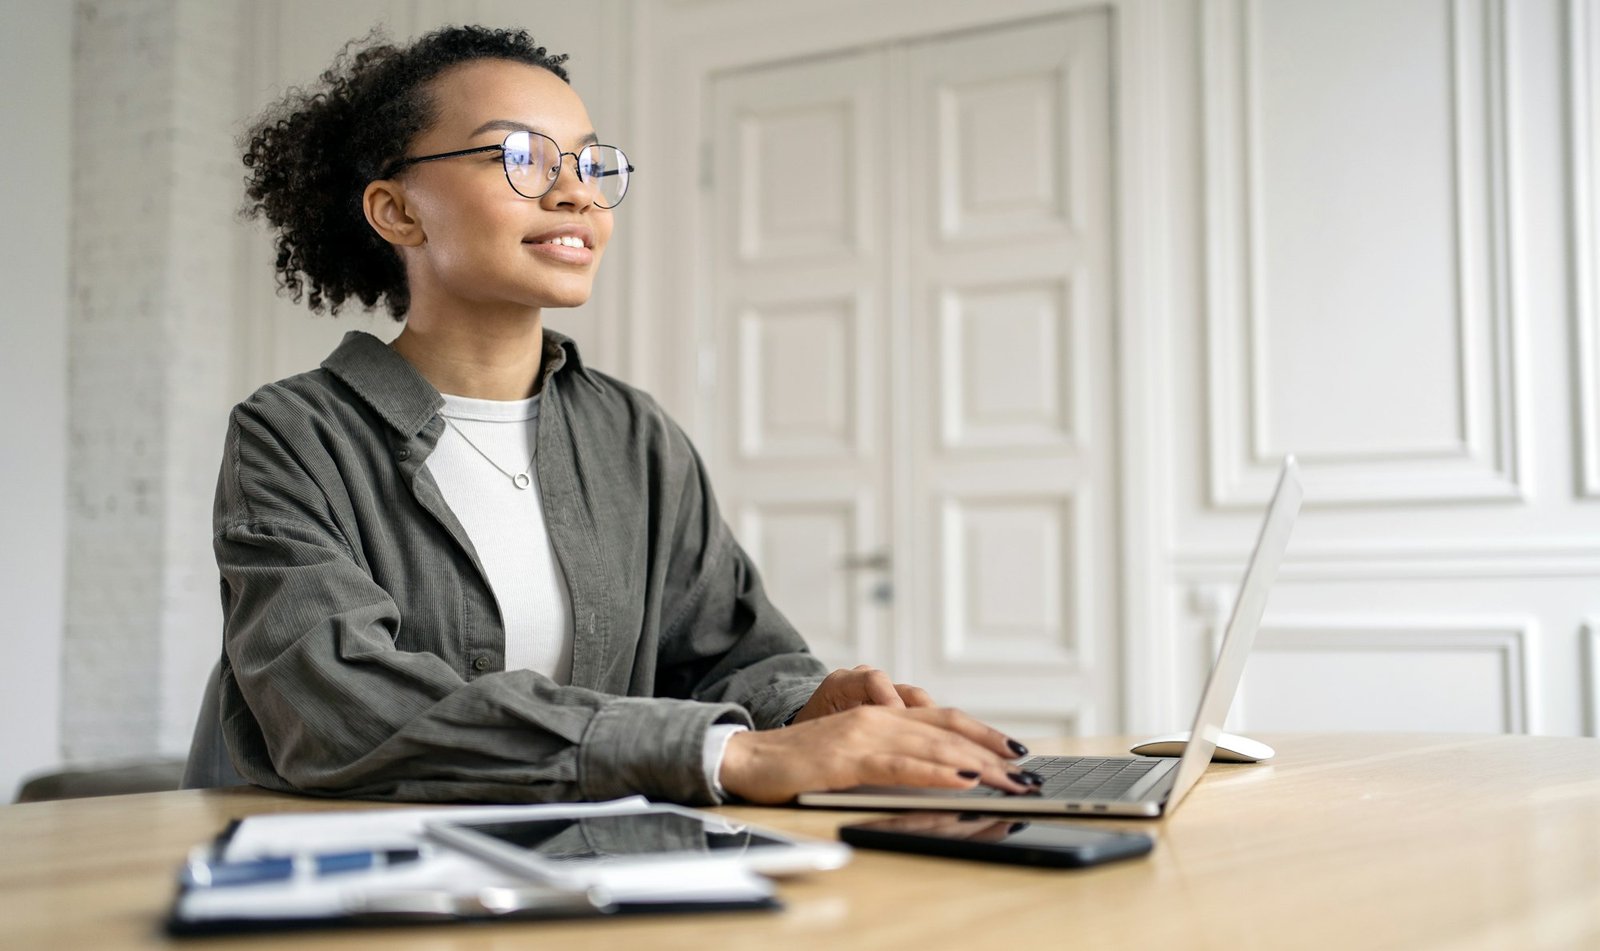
<point x="506" y="527"/>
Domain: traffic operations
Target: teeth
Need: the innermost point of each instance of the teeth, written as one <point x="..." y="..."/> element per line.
<point x="567" y="241"/>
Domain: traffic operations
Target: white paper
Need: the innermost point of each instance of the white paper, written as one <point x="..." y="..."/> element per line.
<point x="353" y="830"/>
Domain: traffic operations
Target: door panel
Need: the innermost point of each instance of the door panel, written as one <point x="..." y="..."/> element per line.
<point x="1013" y="612"/>
<point x="799" y="291"/>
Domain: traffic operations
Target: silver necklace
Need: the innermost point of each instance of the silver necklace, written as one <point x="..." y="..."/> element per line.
<point x="519" y="479"/>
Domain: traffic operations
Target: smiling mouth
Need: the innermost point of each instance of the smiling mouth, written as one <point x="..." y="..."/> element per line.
<point x="565" y="241"/>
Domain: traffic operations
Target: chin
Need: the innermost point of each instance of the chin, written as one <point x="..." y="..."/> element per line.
<point x="565" y="297"/>
<point x="564" y="301"/>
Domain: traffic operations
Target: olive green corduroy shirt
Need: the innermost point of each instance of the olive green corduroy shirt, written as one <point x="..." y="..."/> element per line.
<point x="363" y="649"/>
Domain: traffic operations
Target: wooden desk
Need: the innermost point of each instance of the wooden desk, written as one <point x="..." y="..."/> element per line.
<point x="1342" y="842"/>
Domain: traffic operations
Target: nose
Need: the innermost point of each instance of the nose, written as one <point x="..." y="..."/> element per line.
<point x="571" y="189"/>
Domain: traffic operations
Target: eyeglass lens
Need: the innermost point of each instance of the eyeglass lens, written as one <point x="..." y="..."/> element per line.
<point x="533" y="163"/>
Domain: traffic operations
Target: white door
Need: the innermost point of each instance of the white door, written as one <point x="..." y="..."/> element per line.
<point x="802" y="294"/>
<point x="912" y="324"/>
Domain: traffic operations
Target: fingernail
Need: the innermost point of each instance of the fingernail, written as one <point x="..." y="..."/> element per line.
<point x="1016" y="827"/>
<point x="1033" y="777"/>
<point x="1019" y="779"/>
<point x="967" y="773"/>
<point x="1017" y="748"/>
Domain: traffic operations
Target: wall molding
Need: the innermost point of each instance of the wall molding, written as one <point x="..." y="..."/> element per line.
<point x="1482" y="463"/>
<point x="1589" y="646"/>
<point x="1512" y="638"/>
<point x="1070" y="361"/>
<point x="955" y="652"/>
<point x="855" y="514"/>
<point x="1583" y="98"/>
<point x="1397" y="561"/>
<point x="1076" y="720"/>
<point x="755" y="446"/>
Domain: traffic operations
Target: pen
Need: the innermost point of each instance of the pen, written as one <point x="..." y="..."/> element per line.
<point x="200" y="873"/>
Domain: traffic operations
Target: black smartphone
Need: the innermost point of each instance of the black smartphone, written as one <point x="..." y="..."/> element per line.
<point x="965" y="835"/>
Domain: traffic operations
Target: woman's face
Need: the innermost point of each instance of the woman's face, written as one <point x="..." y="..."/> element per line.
<point x="482" y="243"/>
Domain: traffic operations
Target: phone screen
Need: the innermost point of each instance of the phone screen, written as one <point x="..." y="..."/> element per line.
<point x="967" y="835"/>
<point x="970" y="827"/>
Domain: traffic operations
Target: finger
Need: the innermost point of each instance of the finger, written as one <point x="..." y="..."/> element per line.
<point x="904" y="734"/>
<point x="960" y="723"/>
<point x="898" y="769"/>
<point x="913" y="696"/>
<point x="998" y="771"/>
<point x="954" y="720"/>
<point x="839" y="691"/>
<point x="880" y="690"/>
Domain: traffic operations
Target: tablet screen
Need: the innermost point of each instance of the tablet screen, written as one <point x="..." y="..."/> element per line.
<point x="591" y="837"/>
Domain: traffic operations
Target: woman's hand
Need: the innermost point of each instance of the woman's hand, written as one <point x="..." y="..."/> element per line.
<point x="858" y="687"/>
<point x="917" y="746"/>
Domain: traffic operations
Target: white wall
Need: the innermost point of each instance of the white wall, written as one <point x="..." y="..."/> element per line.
<point x="35" y="56"/>
<point x="1383" y="199"/>
<point x="1349" y="230"/>
<point x="151" y="366"/>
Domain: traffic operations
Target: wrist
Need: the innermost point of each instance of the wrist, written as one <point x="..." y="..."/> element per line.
<point x="736" y="762"/>
<point x="715" y="748"/>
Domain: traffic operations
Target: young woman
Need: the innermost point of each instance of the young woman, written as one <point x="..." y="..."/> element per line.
<point x="466" y="565"/>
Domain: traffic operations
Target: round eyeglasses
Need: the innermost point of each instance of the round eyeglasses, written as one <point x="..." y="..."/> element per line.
<point x="533" y="163"/>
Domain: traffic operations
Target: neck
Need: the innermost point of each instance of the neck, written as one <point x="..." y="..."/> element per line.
<point x="494" y="357"/>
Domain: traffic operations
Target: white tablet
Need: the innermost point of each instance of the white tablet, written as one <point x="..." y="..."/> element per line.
<point x="563" y="848"/>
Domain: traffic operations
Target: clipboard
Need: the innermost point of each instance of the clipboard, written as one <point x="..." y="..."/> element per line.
<point x="444" y="885"/>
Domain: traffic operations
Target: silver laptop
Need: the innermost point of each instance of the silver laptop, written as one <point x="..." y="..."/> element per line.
<point x="1126" y="785"/>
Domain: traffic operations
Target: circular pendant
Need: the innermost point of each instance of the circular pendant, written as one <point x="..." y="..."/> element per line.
<point x="521" y="480"/>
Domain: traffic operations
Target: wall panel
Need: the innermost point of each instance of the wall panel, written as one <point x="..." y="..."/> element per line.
<point x="1317" y="240"/>
<point x="1405" y="673"/>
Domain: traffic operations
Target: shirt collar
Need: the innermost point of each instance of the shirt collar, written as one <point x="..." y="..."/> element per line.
<point x="404" y="397"/>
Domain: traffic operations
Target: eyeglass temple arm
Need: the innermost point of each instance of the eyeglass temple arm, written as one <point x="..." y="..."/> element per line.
<point x="405" y="163"/>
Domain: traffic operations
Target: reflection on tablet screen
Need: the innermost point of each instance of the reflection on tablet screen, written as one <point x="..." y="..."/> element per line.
<point x="637" y="834"/>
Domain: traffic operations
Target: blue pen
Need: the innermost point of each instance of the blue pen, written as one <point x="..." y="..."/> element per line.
<point x="200" y="873"/>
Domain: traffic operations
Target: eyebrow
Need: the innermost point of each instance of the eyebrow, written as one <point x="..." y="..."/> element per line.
<point x="511" y="125"/>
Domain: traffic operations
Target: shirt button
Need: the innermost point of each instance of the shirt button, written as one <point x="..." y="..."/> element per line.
<point x="403" y="454"/>
<point x="482" y="663"/>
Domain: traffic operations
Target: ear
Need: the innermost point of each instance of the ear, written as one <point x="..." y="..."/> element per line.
<point x="384" y="203"/>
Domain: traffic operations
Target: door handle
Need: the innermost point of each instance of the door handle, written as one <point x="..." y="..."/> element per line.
<point x="872" y="561"/>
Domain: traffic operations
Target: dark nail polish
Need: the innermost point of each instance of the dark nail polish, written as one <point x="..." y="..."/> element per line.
<point x="967" y="773"/>
<point x="1019" y="779"/>
<point x="1017" y="748"/>
<point x="1016" y="827"/>
<point x="1032" y="777"/>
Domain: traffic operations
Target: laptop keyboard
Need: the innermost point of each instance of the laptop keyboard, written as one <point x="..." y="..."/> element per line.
<point x="1083" y="777"/>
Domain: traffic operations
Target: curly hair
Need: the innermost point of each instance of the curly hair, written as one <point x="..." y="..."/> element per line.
<point x="311" y="155"/>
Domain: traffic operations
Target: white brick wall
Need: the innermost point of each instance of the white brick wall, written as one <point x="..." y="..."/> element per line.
<point x="154" y="267"/>
<point x="202" y="277"/>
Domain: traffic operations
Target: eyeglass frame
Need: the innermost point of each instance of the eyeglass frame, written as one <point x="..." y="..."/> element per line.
<point x="561" y="160"/>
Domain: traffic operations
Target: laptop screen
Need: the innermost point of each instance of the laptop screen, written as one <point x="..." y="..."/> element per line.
<point x="1241" y="631"/>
